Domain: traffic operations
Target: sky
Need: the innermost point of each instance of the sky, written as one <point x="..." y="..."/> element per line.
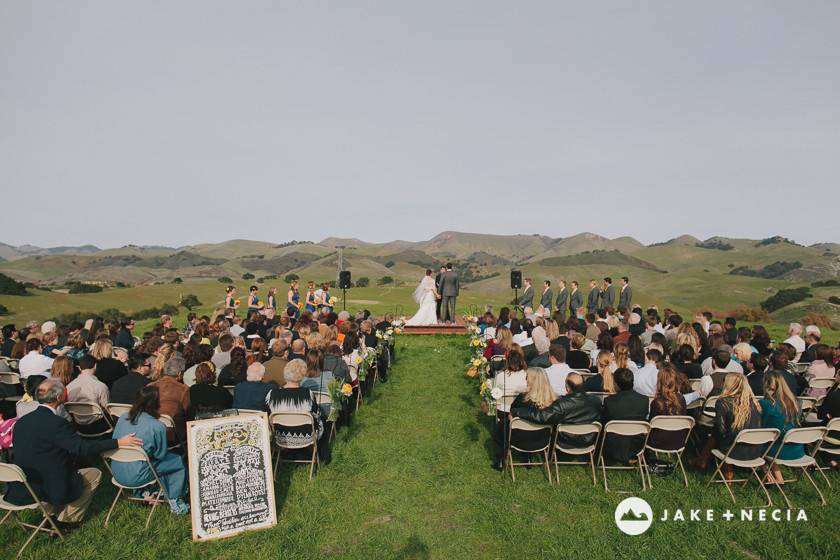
<point x="180" y="122"/>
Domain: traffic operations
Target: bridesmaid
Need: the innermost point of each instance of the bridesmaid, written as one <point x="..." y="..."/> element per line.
<point x="293" y="301"/>
<point x="271" y="305"/>
<point x="254" y="304"/>
<point x="230" y="301"/>
<point x="325" y="298"/>
<point x="311" y="302"/>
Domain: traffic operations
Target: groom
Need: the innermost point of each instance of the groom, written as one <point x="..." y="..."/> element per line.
<point x="449" y="288"/>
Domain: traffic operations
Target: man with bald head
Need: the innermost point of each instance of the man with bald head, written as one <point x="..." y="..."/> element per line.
<point x="575" y="407"/>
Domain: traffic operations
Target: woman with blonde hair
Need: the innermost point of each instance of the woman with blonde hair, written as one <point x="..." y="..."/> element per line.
<point x="102" y="348"/>
<point x="62" y="369"/>
<point x="257" y="353"/>
<point x="505" y="385"/>
<point x="501" y="344"/>
<point x="163" y="354"/>
<point x="779" y="410"/>
<point x="108" y="369"/>
<point x="622" y="357"/>
<point x="668" y="401"/>
<point x="687" y="335"/>
<point x="552" y="330"/>
<point x="603" y="381"/>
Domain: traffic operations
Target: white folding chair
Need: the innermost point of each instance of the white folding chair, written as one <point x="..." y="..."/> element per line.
<point x="625" y="428"/>
<point x="324" y="400"/>
<point x="600" y="394"/>
<point x="803" y="436"/>
<point x="833" y="432"/>
<point x="707" y="414"/>
<point x="230" y="389"/>
<point x="759" y="436"/>
<point x="824" y="383"/>
<point x="671" y="424"/>
<point x="169" y="423"/>
<point x="806" y="406"/>
<point x="281" y="420"/>
<point x="801" y="367"/>
<point x="575" y="430"/>
<point x="130" y="455"/>
<point x="118" y="409"/>
<point x="518" y="424"/>
<point x="79" y="411"/>
<point x="12" y="473"/>
<point x="12" y="382"/>
<point x="695" y="384"/>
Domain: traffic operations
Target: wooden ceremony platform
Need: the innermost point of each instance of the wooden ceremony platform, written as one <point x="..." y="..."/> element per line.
<point x="454" y="328"/>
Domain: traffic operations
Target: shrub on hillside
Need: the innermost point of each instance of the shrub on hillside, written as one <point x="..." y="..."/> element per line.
<point x="818" y="319"/>
<point x="82" y="288"/>
<point x="834" y="299"/>
<point x="3" y="309"/>
<point x="385" y="280"/>
<point x="247" y="276"/>
<point x="774" y="270"/>
<point x="11" y="287"/>
<point x="719" y="245"/>
<point x="363" y="282"/>
<point x="177" y="280"/>
<point x="289" y="278"/>
<point x="825" y="283"/>
<point x="785" y="297"/>
<point x="225" y="280"/>
<point x="746" y="313"/>
<point x="189" y="301"/>
<point x="390" y="264"/>
<point x="156" y="312"/>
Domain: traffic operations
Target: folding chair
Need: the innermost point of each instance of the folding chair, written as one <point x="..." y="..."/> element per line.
<point x="280" y="420"/>
<point x="600" y="394"/>
<point x="230" y="389"/>
<point x="625" y="428"/>
<point x="118" y="409"/>
<point x="806" y="406"/>
<point x="559" y="447"/>
<point x="518" y="424"/>
<point x="695" y="384"/>
<point x="130" y="455"/>
<point x="12" y="382"/>
<point x="322" y="399"/>
<point x="707" y="414"/>
<point x="80" y="410"/>
<point x="671" y="424"/>
<point x="832" y="431"/>
<point x="801" y="367"/>
<point x="169" y="422"/>
<point x="13" y="473"/>
<point x="805" y="436"/>
<point x="759" y="436"/>
<point x="825" y="383"/>
<point x="498" y="363"/>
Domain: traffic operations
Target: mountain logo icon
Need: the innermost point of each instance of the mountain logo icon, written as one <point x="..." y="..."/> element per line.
<point x="633" y="516"/>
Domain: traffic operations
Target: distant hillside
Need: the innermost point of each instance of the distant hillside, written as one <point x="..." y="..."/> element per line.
<point x="11" y="253"/>
<point x="607" y="258"/>
<point x="461" y="245"/>
<point x="581" y="242"/>
<point x="682" y="240"/>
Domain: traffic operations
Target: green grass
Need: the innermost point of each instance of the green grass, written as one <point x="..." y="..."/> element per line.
<point x="411" y="479"/>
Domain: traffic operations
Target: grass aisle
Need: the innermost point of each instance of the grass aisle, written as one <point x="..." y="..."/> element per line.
<point x="411" y="479"/>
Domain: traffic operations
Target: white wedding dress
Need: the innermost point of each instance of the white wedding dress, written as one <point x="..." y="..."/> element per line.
<point x="425" y="296"/>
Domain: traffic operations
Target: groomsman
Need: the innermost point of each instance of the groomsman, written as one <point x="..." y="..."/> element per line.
<point x="546" y="299"/>
<point x="625" y="296"/>
<point x="562" y="298"/>
<point x="592" y="300"/>
<point x="575" y="299"/>
<point x="527" y="297"/>
<point x="607" y="294"/>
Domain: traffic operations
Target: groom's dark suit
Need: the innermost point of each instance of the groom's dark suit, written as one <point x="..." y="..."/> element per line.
<point x="563" y="301"/>
<point x="437" y="287"/>
<point x="450" y="286"/>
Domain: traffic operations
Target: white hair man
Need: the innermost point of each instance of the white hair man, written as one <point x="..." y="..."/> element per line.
<point x="795" y="340"/>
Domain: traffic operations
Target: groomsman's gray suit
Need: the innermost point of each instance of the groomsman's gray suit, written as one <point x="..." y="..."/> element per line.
<point x="546" y="299"/>
<point x="575" y="302"/>
<point x="625" y="297"/>
<point x="592" y="300"/>
<point x="450" y="287"/>
<point x="563" y="301"/>
<point x="608" y="297"/>
<point x="527" y="298"/>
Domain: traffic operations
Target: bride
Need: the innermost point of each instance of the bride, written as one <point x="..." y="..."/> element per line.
<point x="426" y="295"/>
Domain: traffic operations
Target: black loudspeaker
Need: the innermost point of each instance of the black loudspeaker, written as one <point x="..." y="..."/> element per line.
<point x="344" y="282"/>
<point x="515" y="279"/>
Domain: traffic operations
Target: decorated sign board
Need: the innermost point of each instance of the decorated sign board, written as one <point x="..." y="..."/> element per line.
<point x="231" y="482"/>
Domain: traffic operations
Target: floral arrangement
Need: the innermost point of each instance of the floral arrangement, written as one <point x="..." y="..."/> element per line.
<point x="478" y="366"/>
<point x="339" y="393"/>
<point x="398" y="325"/>
<point x="332" y="301"/>
<point x="364" y="361"/>
<point x="236" y="303"/>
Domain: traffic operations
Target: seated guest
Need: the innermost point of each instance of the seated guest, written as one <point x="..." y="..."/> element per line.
<point x="603" y="381"/>
<point x="203" y="353"/>
<point x="575" y="407"/>
<point x="63" y="369"/>
<point x="712" y="383"/>
<point x="821" y="368"/>
<point x="222" y="356"/>
<point x="741" y="353"/>
<point x="142" y="421"/>
<point x="275" y="365"/>
<point x="626" y="404"/>
<point x="174" y="395"/>
<point x="126" y="388"/>
<point x="644" y="380"/>
<point x="334" y="363"/>
<point x="250" y="394"/>
<point x="779" y="363"/>
<point x="317" y="376"/>
<point x="28" y="402"/>
<point x="87" y="388"/>
<point x="779" y="410"/>
<point x="684" y="362"/>
<point x="235" y="371"/>
<point x="10" y="338"/>
<point x="34" y="362"/>
<point x="205" y="396"/>
<point x="812" y="339"/>
<point x="578" y="358"/>
<point x="293" y="398"/>
<point x="46" y="448"/>
<point x="736" y="411"/>
<point x="541" y="344"/>
<point x="605" y="342"/>
<point x="558" y="370"/>
<point x="829" y="409"/>
<point x="507" y="383"/>
<point x="668" y="401"/>
<point x="500" y="345"/>
<point x="298" y="349"/>
<point x="534" y="401"/>
<point x="755" y="375"/>
<point x="795" y="340"/>
<point x="108" y="369"/>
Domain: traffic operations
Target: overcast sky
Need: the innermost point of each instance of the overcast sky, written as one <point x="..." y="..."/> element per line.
<point x="180" y="122"/>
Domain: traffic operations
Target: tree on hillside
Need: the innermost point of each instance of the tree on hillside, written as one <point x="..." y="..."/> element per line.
<point x="785" y="297"/>
<point x="225" y="280"/>
<point x="389" y="264"/>
<point x="177" y="280"/>
<point x="363" y="282"/>
<point x="82" y="288"/>
<point x="189" y="301"/>
<point x="3" y="310"/>
<point x="385" y="280"/>
<point x="10" y="287"/>
<point x="247" y="276"/>
<point x="289" y="278"/>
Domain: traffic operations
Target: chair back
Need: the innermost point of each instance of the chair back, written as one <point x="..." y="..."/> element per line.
<point x="128" y="454"/>
<point x="78" y="410"/>
<point x="291" y="419"/>
<point x="118" y="409"/>
<point x="805" y="436"/>
<point x="821" y="383"/>
<point x="230" y="389"/>
<point x="709" y="405"/>
<point x="695" y="384"/>
<point x="672" y="423"/>
<point x="756" y="436"/>
<point x="600" y="394"/>
<point x="322" y="398"/>
<point x="9" y="378"/>
<point x="579" y="429"/>
<point x="627" y="428"/>
<point x="526" y="426"/>
<point x="833" y="425"/>
<point x="801" y="367"/>
<point x="11" y="473"/>
<point x="167" y="421"/>
<point x="506" y="401"/>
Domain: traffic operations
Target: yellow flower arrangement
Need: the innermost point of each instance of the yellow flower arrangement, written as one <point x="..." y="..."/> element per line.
<point x="472" y="372"/>
<point x="358" y="360"/>
<point x="347" y="389"/>
<point x="236" y="302"/>
<point x="476" y="362"/>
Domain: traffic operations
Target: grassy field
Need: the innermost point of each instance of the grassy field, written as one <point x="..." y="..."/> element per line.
<point x="411" y="479"/>
<point x="687" y="295"/>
